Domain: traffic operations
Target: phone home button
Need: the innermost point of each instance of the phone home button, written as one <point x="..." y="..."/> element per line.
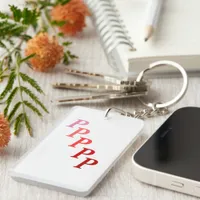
<point x="177" y="184"/>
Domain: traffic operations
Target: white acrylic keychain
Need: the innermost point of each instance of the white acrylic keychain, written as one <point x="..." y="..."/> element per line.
<point x="79" y="152"/>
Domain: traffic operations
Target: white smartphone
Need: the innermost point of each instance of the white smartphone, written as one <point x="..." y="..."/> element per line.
<point x="170" y="158"/>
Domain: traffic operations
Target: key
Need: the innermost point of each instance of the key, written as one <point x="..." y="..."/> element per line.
<point x="108" y="78"/>
<point x="99" y="97"/>
<point x="140" y="86"/>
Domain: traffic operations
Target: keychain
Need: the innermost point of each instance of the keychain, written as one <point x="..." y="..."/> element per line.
<point x="155" y="109"/>
<point x="125" y="89"/>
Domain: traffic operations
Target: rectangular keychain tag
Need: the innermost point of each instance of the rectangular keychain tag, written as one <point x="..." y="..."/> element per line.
<point x="78" y="153"/>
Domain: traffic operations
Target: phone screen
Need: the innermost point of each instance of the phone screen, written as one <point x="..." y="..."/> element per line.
<point x="175" y="147"/>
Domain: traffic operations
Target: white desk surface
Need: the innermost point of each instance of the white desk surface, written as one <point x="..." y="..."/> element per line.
<point x="119" y="184"/>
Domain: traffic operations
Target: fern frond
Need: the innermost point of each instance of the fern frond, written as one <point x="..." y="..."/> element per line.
<point x="18" y="122"/>
<point x="61" y="34"/>
<point x="14" y="27"/>
<point x="11" y="42"/>
<point x="31" y="81"/>
<point x="27" y="58"/>
<point x="62" y="2"/>
<point x="34" y="98"/>
<point x="66" y="59"/>
<point x="1" y="65"/>
<point x="33" y="108"/>
<point x="28" y="124"/>
<point x="9" y="61"/>
<point x="66" y="43"/>
<point x="4" y="15"/>
<point x="25" y="16"/>
<point x="72" y="56"/>
<point x="26" y="37"/>
<point x="14" y="110"/>
<point x="9" y="100"/>
<point x="8" y="29"/>
<point x="18" y="57"/>
<point x="2" y="45"/>
<point x="2" y="77"/>
<point x="9" y="85"/>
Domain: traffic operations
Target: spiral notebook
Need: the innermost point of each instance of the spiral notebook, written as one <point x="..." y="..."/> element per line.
<point x="120" y="25"/>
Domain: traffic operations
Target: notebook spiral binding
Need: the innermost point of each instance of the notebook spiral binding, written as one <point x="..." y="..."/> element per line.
<point x="110" y="28"/>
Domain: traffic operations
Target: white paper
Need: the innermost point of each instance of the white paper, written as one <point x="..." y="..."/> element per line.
<point x="177" y="30"/>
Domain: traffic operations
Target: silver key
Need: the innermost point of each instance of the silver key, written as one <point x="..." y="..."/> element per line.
<point x="100" y="97"/>
<point x="117" y="88"/>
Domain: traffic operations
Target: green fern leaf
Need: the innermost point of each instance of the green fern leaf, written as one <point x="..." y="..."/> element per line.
<point x="17" y="124"/>
<point x="12" y="43"/>
<point x="1" y="65"/>
<point x="33" y="108"/>
<point x="9" y="61"/>
<point x="31" y="81"/>
<point x="62" y="2"/>
<point x="66" y="59"/>
<point x="4" y="15"/>
<point x="17" y="14"/>
<point x="18" y="56"/>
<point x="26" y="37"/>
<point x="72" y="56"/>
<point x="66" y="43"/>
<point x="9" y="85"/>
<point x="34" y="98"/>
<point x="28" y="125"/>
<point x="61" y="34"/>
<point x="26" y="16"/>
<point x="9" y="29"/>
<point x="58" y="23"/>
<point x="14" y="110"/>
<point x="2" y="77"/>
<point x="9" y="100"/>
<point x="2" y="45"/>
<point x="27" y="58"/>
<point x="45" y="4"/>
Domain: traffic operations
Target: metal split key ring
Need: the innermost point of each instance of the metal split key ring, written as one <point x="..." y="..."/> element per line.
<point x="156" y="106"/>
<point x="183" y="89"/>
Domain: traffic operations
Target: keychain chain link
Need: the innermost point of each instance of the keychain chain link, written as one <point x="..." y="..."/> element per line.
<point x="141" y="114"/>
<point x="148" y="113"/>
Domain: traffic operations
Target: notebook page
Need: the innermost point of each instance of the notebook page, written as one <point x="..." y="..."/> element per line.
<point x="178" y="32"/>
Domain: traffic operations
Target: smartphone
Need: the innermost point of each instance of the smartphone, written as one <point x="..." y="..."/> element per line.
<point x="170" y="158"/>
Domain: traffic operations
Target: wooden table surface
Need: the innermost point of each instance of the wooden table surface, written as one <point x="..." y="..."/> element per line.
<point x="119" y="184"/>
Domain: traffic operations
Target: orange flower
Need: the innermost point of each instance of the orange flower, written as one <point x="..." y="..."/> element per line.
<point x="77" y="6"/>
<point x="47" y="52"/>
<point x="73" y="13"/>
<point x="4" y="132"/>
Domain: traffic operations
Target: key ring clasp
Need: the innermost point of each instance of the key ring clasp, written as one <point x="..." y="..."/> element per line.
<point x="183" y="89"/>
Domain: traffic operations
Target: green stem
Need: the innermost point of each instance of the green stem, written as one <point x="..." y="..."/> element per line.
<point x="3" y="58"/>
<point x="19" y="84"/>
<point x="3" y="70"/>
<point x="2" y="74"/>
<point x="6" y="54"/>
<point x="49" y="22"/>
